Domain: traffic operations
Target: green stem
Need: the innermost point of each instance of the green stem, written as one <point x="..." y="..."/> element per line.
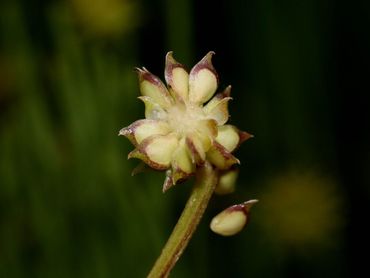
<point x="205" y="184"/>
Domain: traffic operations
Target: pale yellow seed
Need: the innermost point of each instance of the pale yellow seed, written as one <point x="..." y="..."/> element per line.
<point x="228" y="223"/>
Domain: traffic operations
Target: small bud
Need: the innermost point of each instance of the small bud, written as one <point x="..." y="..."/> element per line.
<point x="182" y="166"/>
<point x="152" y="86"/>
<point x="232" y="220"/>
<point x="202" y="80"/>
<point x="228" y="137"/>
<point x="142" y="129"/>
<point x="153" y="110"/>
<point x="176" y="77"/>
<point x="156" y="151"/>
<point x="220" y="111"/>
<point x="196" y="149"/>
<point x="226" y="182"/>
<point x="220" y="157"/>
<point x="217" y="107"/>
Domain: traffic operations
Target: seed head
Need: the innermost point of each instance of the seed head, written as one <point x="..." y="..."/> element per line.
<point x="184" y="126"/>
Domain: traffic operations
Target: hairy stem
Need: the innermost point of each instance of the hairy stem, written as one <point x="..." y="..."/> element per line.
<point x="205" y="184"/>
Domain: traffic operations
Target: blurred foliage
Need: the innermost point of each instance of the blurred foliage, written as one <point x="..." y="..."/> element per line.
<point x="68" y="204"/>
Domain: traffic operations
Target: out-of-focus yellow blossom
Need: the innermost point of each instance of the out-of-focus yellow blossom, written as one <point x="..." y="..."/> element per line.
<point x="106" y="18"/>
<point x="301" y="209"/>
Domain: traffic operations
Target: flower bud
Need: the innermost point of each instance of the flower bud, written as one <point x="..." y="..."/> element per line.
<point x="202" y="80"/>
<point x="226" y="182"/>
<point x="232" y="220"/>
<point x="176" y="77"/>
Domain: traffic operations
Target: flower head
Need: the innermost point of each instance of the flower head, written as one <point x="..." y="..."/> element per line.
<point x="184" y="126"/>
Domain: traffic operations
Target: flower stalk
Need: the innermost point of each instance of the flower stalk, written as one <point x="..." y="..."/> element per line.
<point x="206" y="181"/>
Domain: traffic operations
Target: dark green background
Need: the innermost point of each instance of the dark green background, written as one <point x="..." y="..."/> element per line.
<point x="68" y="204"/>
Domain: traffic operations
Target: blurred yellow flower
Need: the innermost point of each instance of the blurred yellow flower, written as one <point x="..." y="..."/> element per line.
<point x="301" y="209"/>
<point x="106" y="17"/>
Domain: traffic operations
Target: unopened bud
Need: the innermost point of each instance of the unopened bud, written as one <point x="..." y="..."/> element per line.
<point x="226" y="182"/>
<point x="232" y="220"/>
